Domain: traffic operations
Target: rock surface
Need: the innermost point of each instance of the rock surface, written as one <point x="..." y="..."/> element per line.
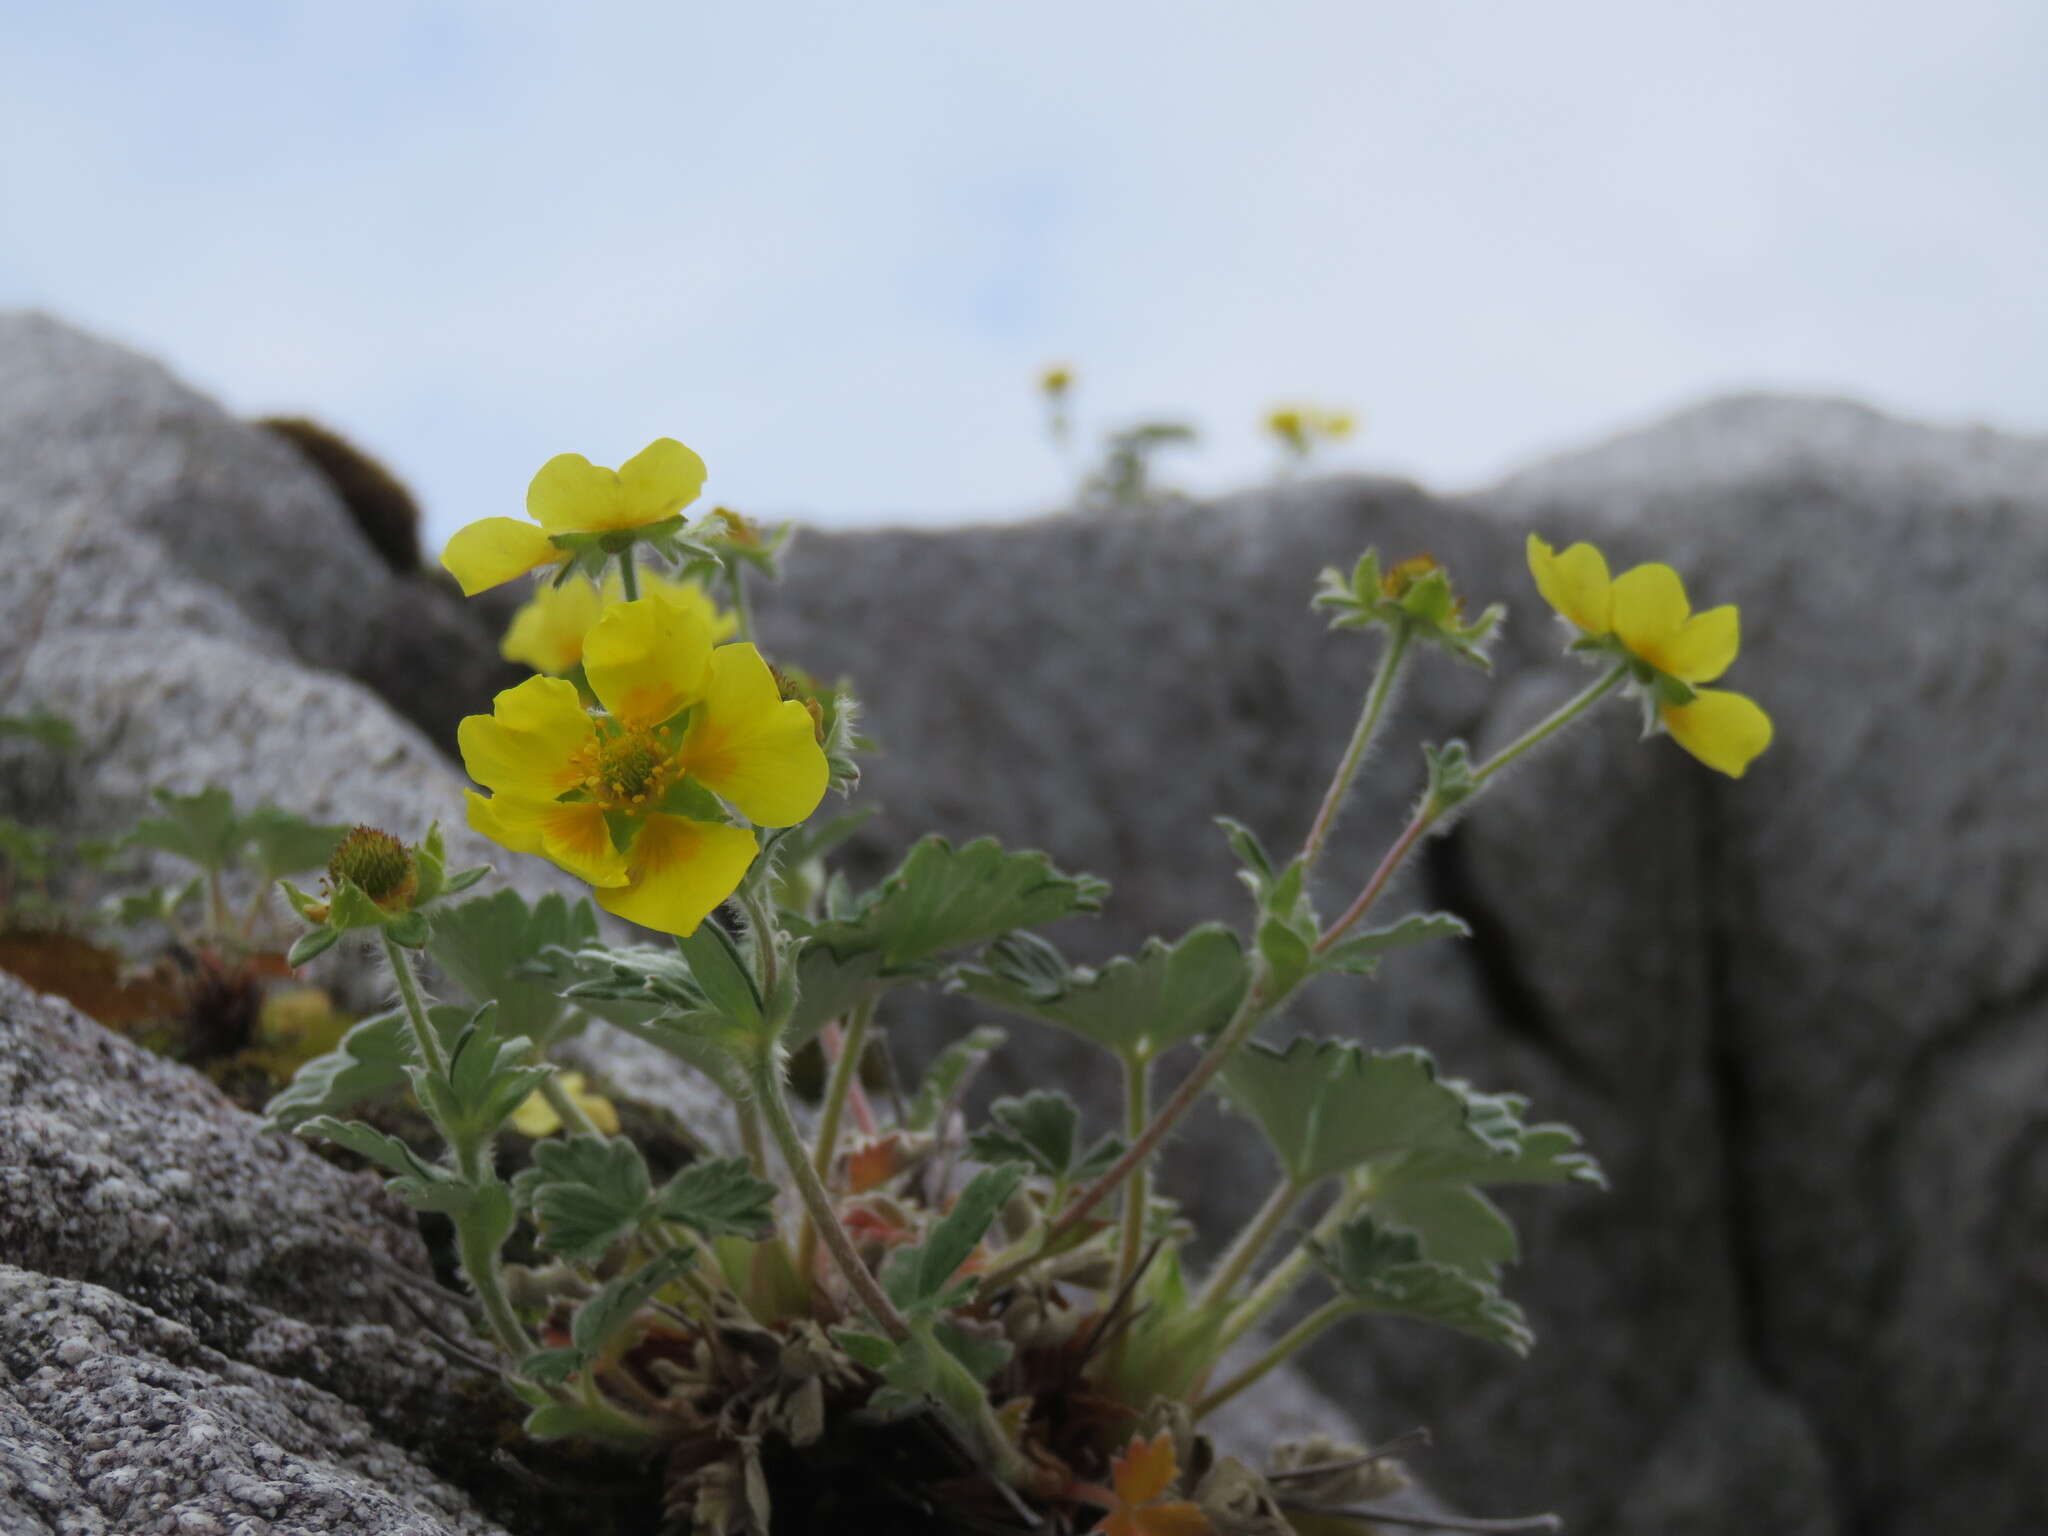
<point x="203" y="1326"/>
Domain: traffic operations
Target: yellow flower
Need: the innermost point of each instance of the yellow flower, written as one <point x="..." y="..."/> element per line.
<point x="617" y="799"/>
<point x="1643" y="613"/>
<point x="1287" y="424"/>
<point x="547" y="632"/>
<point x="1056" y="380"/>
<point x="571" y="495"/>
<point x="537" y="1118"/>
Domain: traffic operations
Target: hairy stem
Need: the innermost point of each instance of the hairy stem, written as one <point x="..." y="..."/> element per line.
<point x="845" y="1073"/>
<point x="1329" y="1312"/>
<point x="423" y="1035"/>
<point x="1256" y="1237"/>
<point x="789" y="1141"/>
<point x="574" y="1117"/>
<point x="1137" y="1195"/>
<point x="1280" y="1282"/>
<point x="1431" y="811"/>
<point x="629" y="574"/>
<point x="1375" y="706"/>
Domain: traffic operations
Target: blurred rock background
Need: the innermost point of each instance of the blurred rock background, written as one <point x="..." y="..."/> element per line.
<point x="1803" y="1019"/>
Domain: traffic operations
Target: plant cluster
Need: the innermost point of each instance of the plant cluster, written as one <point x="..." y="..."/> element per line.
<point x="887" y="1313"/>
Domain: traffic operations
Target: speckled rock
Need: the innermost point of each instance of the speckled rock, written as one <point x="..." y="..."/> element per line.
<point x="115" y="1421"/>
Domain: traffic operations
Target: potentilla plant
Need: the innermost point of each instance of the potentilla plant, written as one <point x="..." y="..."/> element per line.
<point x="879" y="1315"/>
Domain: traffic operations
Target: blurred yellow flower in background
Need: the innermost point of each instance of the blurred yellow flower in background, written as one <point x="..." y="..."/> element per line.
<point x="571" y="495"/>
<point x="537" y="1117"/>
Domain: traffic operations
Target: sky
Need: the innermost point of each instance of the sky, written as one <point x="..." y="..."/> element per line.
<point x="830" y="246"/>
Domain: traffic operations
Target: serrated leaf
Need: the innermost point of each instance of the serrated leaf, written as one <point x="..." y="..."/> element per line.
<point x="369" y="1063"/>
<point x="944" y="898"/>
<point x="387" y="1152"/>
<point x="586" y="1193"/>
<point x="1328" y="1106"/>
<point x="490" y="945"/>
<point x="721" y="974"/>
<point x="1382" y="1268"/>
<point x="948" y="1073"/>
<point x="310" y="946"/>
<point x="201" y="827"/>
<point x="551" y="1367"/>
<point x="1137" y="1006"/>
<point x="981" y="1355"/>
<point x="828" y="987"/>
<point x="1042" y="1129"/>
<point x="720" y="1197"/>
<point x="1286" y="951"/>
<point x="600" y="1320"/>
<point x="1360" y="954"/>
<point x="1457" y="1225"/>
<point x="920" y="1276"/>
<point x="1514" y="1153"/>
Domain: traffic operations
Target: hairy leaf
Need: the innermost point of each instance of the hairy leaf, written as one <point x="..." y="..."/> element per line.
<point x="944" y="898"/>
<point x="1137" y="1006"/>
<point x="720" y="1197"/>
<point x="1360" y="954"/>
<point x="948" y="1075"/>
<point x="491" y="947"/>
<point x="1043" y="1130"/>
<point x="920" y="1277"/>
<point x="1383" y="1269"/>
<point x="586" y="1193"/>
<point x="601" y="1319"/>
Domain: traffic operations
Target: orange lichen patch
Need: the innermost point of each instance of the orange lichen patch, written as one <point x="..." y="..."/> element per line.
<point x="90" y="979"/>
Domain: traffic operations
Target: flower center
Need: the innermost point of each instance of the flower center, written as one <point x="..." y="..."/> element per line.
<point x="631" y="770"/>
<point x="378" y="863"/>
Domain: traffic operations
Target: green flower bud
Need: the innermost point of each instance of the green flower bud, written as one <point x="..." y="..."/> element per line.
<point x="378" y="865"/>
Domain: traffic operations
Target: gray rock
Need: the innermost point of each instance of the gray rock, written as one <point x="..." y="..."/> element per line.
<point x="115" y="1421"/>
<point x="130" y="503"/>
<point x="204" y="1320"/>
<point x="1799" y="1016"/>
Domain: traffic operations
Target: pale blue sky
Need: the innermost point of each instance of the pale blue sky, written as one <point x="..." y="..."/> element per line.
<point x="829" y="246"/>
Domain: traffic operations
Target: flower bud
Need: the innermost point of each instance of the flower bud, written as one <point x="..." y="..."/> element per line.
<point x="378" y="865"/>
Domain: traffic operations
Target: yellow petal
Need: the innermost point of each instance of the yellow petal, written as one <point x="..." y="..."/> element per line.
<point x="660" y="480"/>
<point x="679" y="871"/>
<point x="547" y="632"/>
<point x="536" y="1117"/>
<point x="647" y="659"/>
<point x="491" y="552"/>
<point x="687" y="595"/>
<point x="1703" y="648"/>
<point x="1723" y="730"/>
<point x="754" y="749"/>
<point x="529" y="744"/>
<point x="1146" y="1469"/>
<point x="575" y="836"/>
<point x="1574" y="583"/>
<point x="1649" y="608"/>
<point x="517" y="832"/>
<point x="572" y="495"/>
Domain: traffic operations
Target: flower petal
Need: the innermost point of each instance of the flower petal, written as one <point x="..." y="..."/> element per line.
<point x="1575" y="583"/>
<point x="648" y="659"/>
<point x="1724" y="730"/>
<point x="1703" y="648"/>
<point x="687" y="595"/>
<point x="492" y="551"/>
<point x="1649" y="608"/>
<point x="547" y="632"/>
<point x="679" y="871"/>
<point x="575" y="836"/>
<point x="572" y="495"/>
<point x="754" y="749"/>
<point x="659" y="481"/>
<point x="529" y="743"/>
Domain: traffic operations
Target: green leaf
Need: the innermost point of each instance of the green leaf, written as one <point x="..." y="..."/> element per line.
<point x="573" y="1420"/>
<point x="865" y="1349"/>
<point x="1382" y="1268"/>
<point x="983" y="1356"/>
<point x="201" y="827"/>
<point x="1451" y="781"/>
<point x="281" y="843"/>
<point x="491" y="946"/>
<point x="310" y="946"/>
<point x="1513" y="1153"/>
<point x="1286" y="951"/>
<point x="947" y="1075"/>
<point x="828" y="987"/>
<point x="720" y="1197"/>
<point x="1042" y="1129"/>
<point x="388" y="1152"/>
<point x="43" y="728"/>
<point x="370" y="1063"/>
<point x="944" y="898"/>
<point x="609" y="1311"/>
<point x="1360" y="954"/>
<point x="551" y="1367"/>
<point x="586" y="1193"/>
<point x="489" y="1077"/>
<point x="1136" y="1006"/>
<point x="721" y="975"/>
<point x="1456" y="1224"/>
<point x="1328" y="1106"/>
<point x="921" y="1276"/>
